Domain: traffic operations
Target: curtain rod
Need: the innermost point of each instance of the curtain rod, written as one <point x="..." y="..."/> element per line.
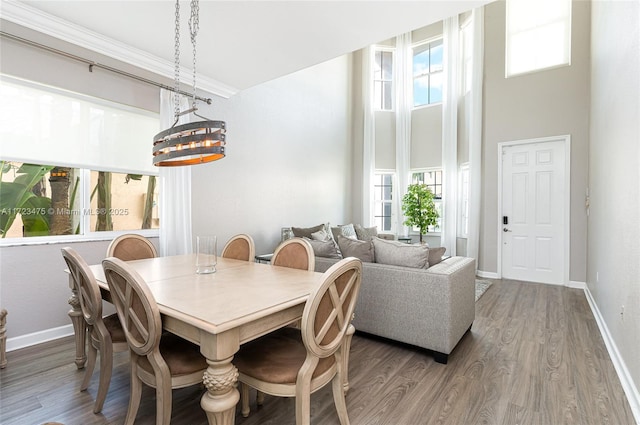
<point x="93" y="64"/>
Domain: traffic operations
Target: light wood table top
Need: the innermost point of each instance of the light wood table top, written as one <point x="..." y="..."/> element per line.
<point x="239" y="302"/>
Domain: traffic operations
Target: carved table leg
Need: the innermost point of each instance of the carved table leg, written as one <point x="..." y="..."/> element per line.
<point x="345" y="358"/>
<point x="219" y="402"/>
<point x="79" y="325"/>
<point x="3" y="338"/>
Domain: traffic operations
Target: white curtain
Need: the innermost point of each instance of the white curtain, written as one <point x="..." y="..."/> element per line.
<point x="369" y="137"/>
<point x="450" y="135"/>
<point x="404" y="100"/>
<point x="475" y="133"/>
<point x="175" y="190"/>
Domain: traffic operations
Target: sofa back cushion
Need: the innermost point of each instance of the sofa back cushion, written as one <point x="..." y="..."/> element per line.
<point x="305" y="232"/>
<point x="401" y="254"/>
<point x="435" y="255"/>
<point x="355" y="248"/>
<point x="326" y="248"/>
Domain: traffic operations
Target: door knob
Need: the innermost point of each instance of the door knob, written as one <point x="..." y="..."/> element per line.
<point x="504" y="229"/>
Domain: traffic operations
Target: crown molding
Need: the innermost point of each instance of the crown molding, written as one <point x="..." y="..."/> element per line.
<point x="37" y="20"/>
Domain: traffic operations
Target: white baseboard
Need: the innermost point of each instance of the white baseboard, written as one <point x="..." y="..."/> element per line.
<point x="487" y="275"/>
<point x="28" y="340"/>
<point x="630" y="390"/>
<point x="577" y="285"/>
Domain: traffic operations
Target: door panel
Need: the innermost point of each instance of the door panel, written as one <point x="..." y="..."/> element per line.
<point x="533" y="199"/>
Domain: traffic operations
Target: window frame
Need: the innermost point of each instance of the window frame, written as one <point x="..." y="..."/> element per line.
<point x="379" y="106"/>
<point x="428" y="41"/>
<point x="510" y="33"/>
<point x="84" y="201"/>
<point x="379" y="203"/>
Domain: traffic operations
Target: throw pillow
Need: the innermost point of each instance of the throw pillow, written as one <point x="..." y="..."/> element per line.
<point x="435" y="255"/>
<point x="326" y="248"/>
<point x="346" y="230"/>
<point x="401" y="254"/>
<point x="365" y="233"/>
<point x="355" y="248"/>
<point x="321" y="235"/>
<point x="305" y="232"/>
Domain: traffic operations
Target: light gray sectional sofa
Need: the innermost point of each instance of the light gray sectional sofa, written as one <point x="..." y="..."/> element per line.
<point x="430" y="308"/>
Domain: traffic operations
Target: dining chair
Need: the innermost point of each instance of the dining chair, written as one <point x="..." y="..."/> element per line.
<point x="105" y="333"/>
<point x="295" y="253"/>
<point x="161" y="361"/>
<point x="296" y="363"/>
<point x="131" y="246"/>
<point x="240" y="247"/>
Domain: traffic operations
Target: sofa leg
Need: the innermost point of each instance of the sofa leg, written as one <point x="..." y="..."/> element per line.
<point x="440" y="357"/>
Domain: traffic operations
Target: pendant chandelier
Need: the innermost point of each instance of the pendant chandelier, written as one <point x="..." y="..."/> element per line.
<point x="195" y="142"/>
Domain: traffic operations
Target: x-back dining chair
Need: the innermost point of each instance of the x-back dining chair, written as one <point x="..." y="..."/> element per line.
<point x="131" y="246"/>
<point x="295" y="253"/>
<point x="296" y="363"/>
<point x="240" y="247"/>
<point x="163" y="362"/>
<point x="105" y="333"/>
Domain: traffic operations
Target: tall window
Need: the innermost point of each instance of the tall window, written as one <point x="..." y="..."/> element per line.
<point x="427" y="73"/>
<point x="383" y="80"/>
<point x="433" y="179"/>
<point x="538" y="35"/>
<point x="383" y="200"/>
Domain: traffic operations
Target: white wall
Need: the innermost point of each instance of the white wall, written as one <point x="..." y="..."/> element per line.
<point x="289" y="158"/>
<point x="613" y="266"/>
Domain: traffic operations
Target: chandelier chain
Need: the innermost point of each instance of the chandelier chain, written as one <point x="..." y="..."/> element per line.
<point x="194" y="27"/>
<point x="176" y="97"/>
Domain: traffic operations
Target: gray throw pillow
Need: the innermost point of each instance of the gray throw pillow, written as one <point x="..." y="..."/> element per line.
<point x="366" y="233"/>
<point x="435" y="255"/>
<point x="362" y="250"/>
<point x="321" y="235"/>
<point x="346" y="230"/>
<point x="305" y="232"/>
<point x="326" y="248"/>
<point x="401" y="254"/>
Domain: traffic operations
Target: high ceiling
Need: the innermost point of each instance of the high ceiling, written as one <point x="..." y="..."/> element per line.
<point x="240" y="43"/>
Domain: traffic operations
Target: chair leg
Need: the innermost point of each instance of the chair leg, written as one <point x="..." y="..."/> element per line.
<point x="90" y="366"/>
<point x="346" y="348"/>
<point x="244" y="396"/>
<point x="135" y="392"/>
<point x="260" y="398"/>
<point x="106" y="364"/>
<point x="163" y="397"/>
<point x="303" y="403"/>
<point x="338" y="399"/>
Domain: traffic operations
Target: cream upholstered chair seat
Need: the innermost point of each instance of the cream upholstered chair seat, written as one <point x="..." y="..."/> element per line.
<point x="131" y="246"/>
<point x="105" y="333"/>
<point x="295" y="363"/>
<point x="162" y="361"/>
<point x="240" y="247"/>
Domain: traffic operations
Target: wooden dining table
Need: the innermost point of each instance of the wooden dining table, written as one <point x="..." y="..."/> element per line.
<point x="241" y="301"/>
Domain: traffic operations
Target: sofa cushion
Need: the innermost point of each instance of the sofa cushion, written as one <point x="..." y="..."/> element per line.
<point x="362" y="250"/>
<point x="326" y="248"/>
<point x="401" y="254"/>
<point x="435" y="255"/>
<point x="346" y="230"/>
<point x="321" y="235"/>
<point x="365" y="233"/>
<point x="305" y="232"/>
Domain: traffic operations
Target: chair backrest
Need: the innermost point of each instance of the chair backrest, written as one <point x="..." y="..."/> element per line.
<point x="295" y="253"/>
<point x="240" y="247"/>
<point x="135" y="305"/>
<point x="329" y="310"/>
<point x="86" y="285"/>
<point x="131" y="247"/>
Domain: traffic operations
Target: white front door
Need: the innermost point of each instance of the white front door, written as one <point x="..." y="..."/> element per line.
<point x="534" y="207"/>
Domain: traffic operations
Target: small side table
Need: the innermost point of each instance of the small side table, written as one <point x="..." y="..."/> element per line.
<point x="264" y="258"/>
<point x="405" y="240"/>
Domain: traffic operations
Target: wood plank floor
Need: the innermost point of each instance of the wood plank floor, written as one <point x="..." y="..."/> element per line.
<point x="534" y="356"/>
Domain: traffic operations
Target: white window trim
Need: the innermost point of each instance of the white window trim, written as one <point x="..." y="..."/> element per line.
<point x="394" y="184"/>
<point x="413" y="46"/>
<point x="392" y="50"/>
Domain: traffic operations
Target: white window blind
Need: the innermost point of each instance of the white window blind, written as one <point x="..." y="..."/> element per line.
<point x="538" y="35"/>
<point x="40" y="124"/>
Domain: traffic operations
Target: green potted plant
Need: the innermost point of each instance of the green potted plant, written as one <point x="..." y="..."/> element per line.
<point x="418" y="208"/>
